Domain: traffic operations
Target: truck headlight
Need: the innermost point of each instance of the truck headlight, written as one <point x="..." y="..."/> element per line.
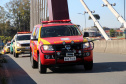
<point x="18" y="45"/>
<point x="86" y="45"/>
<point x="48" y="47"/>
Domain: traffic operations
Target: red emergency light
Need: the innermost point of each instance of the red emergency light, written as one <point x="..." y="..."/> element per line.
<point x="23" y="32"/>
<point x="56" y="21"/>
<point x="9" y="41"/>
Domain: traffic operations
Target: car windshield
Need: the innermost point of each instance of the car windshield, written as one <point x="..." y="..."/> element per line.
<point x="23" y="37"/>
<point x="8" y="44"/>
<point x="57" y="31"/>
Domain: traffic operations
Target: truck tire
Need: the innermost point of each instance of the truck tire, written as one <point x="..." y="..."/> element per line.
<point x="16" y="55"/>
<point x="34" y="64"/>
<point x="42" y="69"/>
<point x="88" y="65"/>
<point x="13" y="53"/>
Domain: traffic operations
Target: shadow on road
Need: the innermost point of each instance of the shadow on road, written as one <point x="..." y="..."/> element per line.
<point x="98" y="68"/>
<point x="15" y="74"/>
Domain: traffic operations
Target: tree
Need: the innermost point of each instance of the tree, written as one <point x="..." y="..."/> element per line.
<point x="112" y="33"/>
<point x="6" y="30"/>
<point x="15" y="18"/>
<point x="20" y="13"/>
<point x="2" y="20"/>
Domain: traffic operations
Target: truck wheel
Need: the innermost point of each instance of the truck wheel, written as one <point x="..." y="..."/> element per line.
<point x="34" y="64"/>
<point x="13" y="53"/>
<point x="88" y="65"/>
<point x="16" y="55"/>
<point x="41" y="68"/>
<point x="10" y="51"/>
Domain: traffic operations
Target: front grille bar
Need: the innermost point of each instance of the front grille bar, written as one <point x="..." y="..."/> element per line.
<point x="72" y="44"/>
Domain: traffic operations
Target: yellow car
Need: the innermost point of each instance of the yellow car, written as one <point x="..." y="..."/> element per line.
<point x="7" y="48"/>
<point x="2" y="52"/>
<point x="21" y="43"/>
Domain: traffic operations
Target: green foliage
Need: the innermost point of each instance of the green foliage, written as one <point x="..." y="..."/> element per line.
<point x="112" y="33"/>
<point x="4" y="39"/>
<point x="15" y="18"/>
<point x="19" y="11"/>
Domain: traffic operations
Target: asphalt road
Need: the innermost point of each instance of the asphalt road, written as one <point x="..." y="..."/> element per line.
<point x="108" y="69"/>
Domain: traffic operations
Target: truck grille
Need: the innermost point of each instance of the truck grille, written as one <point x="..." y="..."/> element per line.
<point x="25" y="44"/>
<point x="59" y="47"/>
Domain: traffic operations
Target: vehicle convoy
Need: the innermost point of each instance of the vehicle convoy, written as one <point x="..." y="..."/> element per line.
<point x="21" y="43"/>
<point x="57" y="43"/>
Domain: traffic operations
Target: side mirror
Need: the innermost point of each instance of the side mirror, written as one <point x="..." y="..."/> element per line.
<point x="86" y="34"/>
<point x="33" y="38"/>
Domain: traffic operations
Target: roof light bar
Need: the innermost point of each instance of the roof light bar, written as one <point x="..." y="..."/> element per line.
<point x="23" y="32"/>
<point x="9" y="41"/>
<point x="56" y="21"/>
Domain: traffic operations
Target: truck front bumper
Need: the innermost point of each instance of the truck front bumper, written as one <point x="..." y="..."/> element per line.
<point x="22" y="50"/>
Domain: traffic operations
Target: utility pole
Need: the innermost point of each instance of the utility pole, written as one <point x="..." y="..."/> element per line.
<point x="124" y="9"/>
<point x="46" y="9"/>
<point x="42" y="10"/>
<point x="30" y="15"/>
<point x="38" y="13"/>
<point x="95" y="21"/>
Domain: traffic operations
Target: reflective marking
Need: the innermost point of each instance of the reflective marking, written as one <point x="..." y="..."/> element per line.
<point x="65" y="39"/>
<point x="44" y="41"/>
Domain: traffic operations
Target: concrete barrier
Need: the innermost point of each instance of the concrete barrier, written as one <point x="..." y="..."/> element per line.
<point x="123" y="47"/>
<point x="109" y="46"/>
<point x="113" y="46"/>
<point x="99" y="46"/>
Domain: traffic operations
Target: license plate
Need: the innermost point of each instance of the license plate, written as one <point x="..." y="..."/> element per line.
<point x="27" y="48"/>
<point x="26" y="52"/>
<point x="69" y="58"/>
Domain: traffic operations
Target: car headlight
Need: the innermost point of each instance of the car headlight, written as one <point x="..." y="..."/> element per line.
<point x="48" y="47"/>
<point x="86" y="45"/>
<point x="18" y="45"/>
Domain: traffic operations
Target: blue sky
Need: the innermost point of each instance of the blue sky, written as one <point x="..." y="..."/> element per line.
<point x="107" y="18"/>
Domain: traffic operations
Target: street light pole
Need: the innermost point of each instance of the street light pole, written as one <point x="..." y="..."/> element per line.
<point x="84" y="17"/>
<point x="85" y="20"/>
<point x="96" y="22"/>
<point x="124" y="9"/>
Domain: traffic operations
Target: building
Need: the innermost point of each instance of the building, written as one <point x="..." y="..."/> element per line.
<point x="93" y="31"/>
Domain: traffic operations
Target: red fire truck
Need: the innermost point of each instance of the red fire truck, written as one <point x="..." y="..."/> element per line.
<point x="57" y="43"/>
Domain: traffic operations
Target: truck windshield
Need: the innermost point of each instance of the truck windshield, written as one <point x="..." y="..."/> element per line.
<point x="8" y="44"/>
<point x="57" y="31"/>
<point x="23" y="37"/>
